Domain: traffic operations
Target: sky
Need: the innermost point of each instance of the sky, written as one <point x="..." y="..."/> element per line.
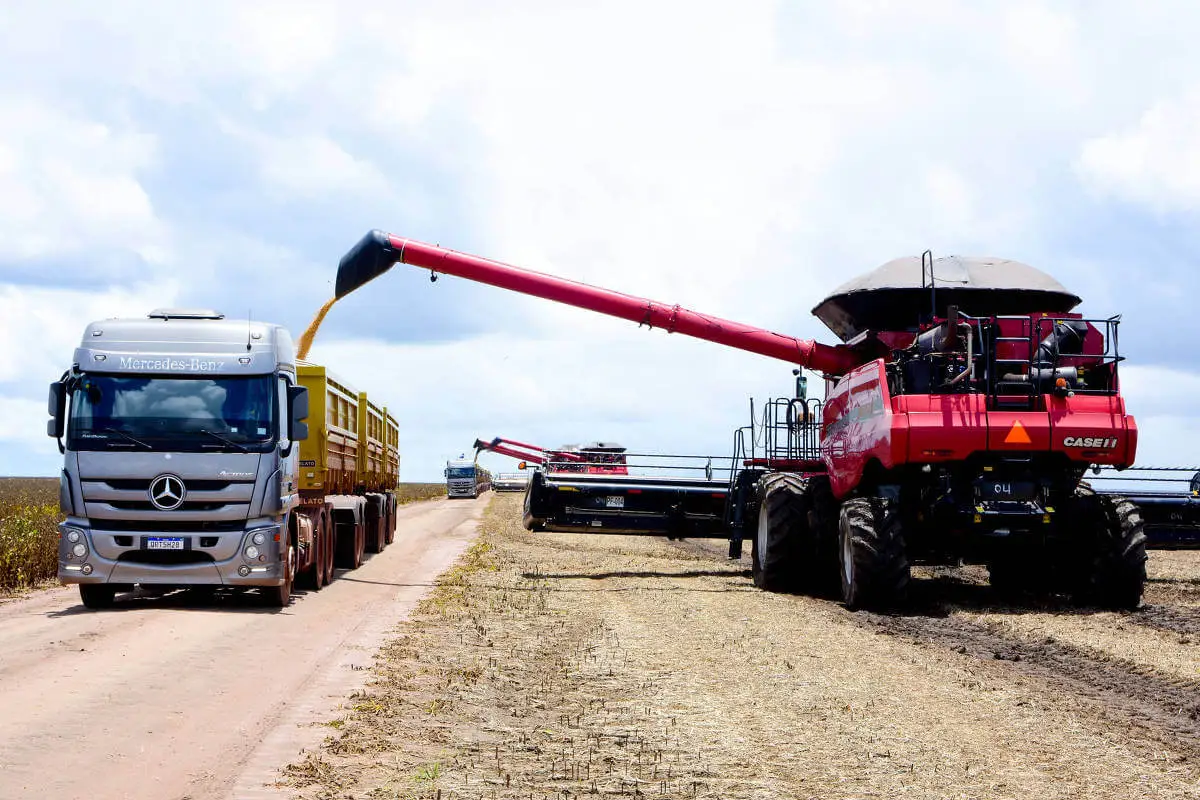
<point x="738" y="159"/>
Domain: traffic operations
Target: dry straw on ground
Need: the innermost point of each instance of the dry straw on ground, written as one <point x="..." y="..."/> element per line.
<point x="550" y="665"/>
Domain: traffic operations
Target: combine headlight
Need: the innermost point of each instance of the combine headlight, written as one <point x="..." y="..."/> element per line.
<point x="73" y="536"/>
<point x="79" y="550"/>
<point x="259" y="538"/>
<point x="251" y="552"/>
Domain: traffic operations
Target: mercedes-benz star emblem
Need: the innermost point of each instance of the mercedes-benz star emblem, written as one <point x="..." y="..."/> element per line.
<point x="167" y="492"/>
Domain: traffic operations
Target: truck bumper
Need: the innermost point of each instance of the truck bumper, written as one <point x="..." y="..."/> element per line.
<point x="208" y="568"/>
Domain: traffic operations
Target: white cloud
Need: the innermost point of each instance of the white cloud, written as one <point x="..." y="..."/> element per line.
<point x="1155" y="163"/>
<point x="69" y="185"/>
<point x="736" y="160"/>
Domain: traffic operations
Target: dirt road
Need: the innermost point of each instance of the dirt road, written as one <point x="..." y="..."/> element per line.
<point x="557" y="665"/>
<point x="179" y="697"/>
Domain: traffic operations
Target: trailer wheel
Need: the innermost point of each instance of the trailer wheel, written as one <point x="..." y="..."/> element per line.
<point x="97" y="595"/>
<point x="391" y="519"/>
<point x="330" y="536"/>
<point x="823" y="525"/>
<point x="1113" y="573"/>
<point x="373" y="524"/>
<point x="776" y="552"/>
<point x="875" y="570"/>
<point x="320" y="579"/>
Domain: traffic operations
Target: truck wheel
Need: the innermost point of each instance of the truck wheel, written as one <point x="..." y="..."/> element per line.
<point x="97" y="595"/>
<point x="776" y="551"/>
<point x="875" y="569"/>
<point x="330" y="537"/>
<point x="823" y="524"/>
<point x="1113" y="573"/>
<point x="390" y="533"/>
<point x="320" y="543"/>
<point x="281" y="596"/>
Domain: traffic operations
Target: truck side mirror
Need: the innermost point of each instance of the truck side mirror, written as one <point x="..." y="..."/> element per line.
<point x="297" y="413"/>
<point x="57" y="407"/>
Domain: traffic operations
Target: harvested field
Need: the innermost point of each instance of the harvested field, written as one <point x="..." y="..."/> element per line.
<point x="412" y="492"/>
<point x="555" y="665"/>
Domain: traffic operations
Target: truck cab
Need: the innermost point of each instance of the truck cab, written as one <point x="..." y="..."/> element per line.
<point x="461" y="478"/>
<point x="179" y="435"/>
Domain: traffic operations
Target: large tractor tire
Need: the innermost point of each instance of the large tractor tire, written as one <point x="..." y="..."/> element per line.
<point x="875" y="571"/>
<point x="823" y="527"/>
<point x="782" y="526"/>
<point x="1112" y="571"/>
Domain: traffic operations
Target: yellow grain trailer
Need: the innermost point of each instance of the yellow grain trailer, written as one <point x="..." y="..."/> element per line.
<point x="349" y="469"/>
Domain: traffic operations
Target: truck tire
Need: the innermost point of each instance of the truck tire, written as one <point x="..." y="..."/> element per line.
<point x="390" y="533"/>
<point x="776" y="551"/>
<point x="823" y="510"/>
<point x="330" y="538"/>
<point x="97" y="595"/>
<point x="1113" y="566"/>
<point x="351" y="542"/>
<point x="281" y="596"/>
<point x="875" y="571"/>
<point x="373" y="522"/>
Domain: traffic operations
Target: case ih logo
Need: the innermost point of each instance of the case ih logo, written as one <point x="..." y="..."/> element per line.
<point x="1090" y="443"/>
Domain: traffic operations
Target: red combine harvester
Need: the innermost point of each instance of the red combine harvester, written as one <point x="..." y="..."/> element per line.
<point x="598" y="458"/>
<point x="589" y="488"/>
<point x="962" y="409"/>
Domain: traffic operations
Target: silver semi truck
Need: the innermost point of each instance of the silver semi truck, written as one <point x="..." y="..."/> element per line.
<point x="180" y="434"/>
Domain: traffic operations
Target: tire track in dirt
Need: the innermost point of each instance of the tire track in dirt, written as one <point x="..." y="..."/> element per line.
<point x="1163" y="709"/>
<point x="1173" y="619"/>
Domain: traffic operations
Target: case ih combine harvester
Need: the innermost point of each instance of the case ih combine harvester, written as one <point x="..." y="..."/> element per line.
<point x="589" y="488"/>
<point x="962" y="409"/>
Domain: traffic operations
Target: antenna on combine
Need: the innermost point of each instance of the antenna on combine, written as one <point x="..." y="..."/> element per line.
<point x="932" y="283"/>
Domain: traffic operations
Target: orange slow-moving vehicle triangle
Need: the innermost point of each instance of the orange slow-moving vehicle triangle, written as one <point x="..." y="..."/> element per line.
<point x="1018" y="435"/>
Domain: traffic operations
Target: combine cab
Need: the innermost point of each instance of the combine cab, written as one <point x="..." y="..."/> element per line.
<point x="962" y="407"/>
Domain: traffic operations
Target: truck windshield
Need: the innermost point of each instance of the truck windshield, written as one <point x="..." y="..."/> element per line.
<point x="461" y="472"/>
<point x="111" y="411"/>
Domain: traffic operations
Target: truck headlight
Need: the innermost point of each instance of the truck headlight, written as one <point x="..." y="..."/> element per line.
<point x="252" y="552"/>
<point x="79" y="550"/>
<point x="259" y="538"/>
<point x="73" y="536"/>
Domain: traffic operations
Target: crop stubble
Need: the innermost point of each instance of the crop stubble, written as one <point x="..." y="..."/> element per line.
<point x="552" y="665"/>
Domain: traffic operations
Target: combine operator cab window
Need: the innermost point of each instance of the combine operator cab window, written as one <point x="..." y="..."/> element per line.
<point x="173" y="413"/>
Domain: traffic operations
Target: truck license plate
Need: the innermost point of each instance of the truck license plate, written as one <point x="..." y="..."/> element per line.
<point x="614" y="502"/>
<point x="163" y="543"/>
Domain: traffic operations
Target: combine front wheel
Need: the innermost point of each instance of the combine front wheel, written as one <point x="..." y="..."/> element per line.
<point x="874" y="565"/>
<point x="782" y="523"/>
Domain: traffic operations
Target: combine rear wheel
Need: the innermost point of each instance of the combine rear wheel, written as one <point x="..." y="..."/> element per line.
<point x="782" y="526"/>
<point x="874" y="565"/>
<point x="1113" y="572"/>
